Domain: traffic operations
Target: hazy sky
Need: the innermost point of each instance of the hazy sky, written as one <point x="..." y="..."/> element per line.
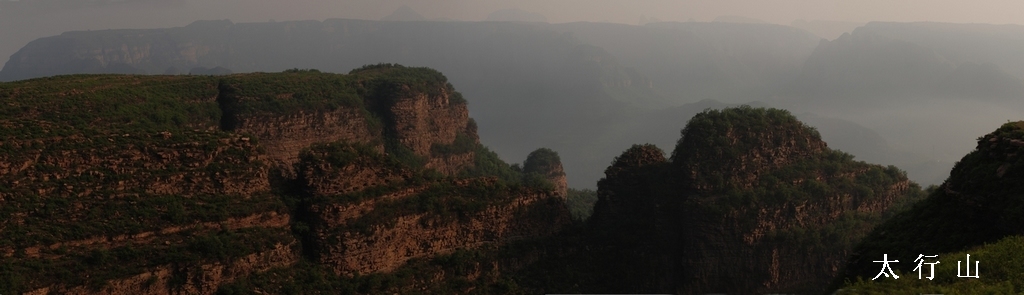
<point x="19" y="26"/>
<point x="623" y="11"/>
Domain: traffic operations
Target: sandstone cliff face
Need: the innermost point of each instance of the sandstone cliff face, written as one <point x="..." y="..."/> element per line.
<point x="339" y="169"/>
<point x="143" y="192"/>
<point x="283" y="137"/>
<point x="128" y="163"/>
<point x="105" y="190"/>
<point x="200" y="279"/>
<point x="385" y="247"/>
<point x="450" y="164"/>
<point x="758" y="249"/>
<point x="82" y="177"/>
<point x="357" y="231"/>
<point x="419" y="120"/>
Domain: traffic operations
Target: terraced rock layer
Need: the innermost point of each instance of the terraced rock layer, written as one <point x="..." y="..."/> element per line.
<point x="113" y="184"/>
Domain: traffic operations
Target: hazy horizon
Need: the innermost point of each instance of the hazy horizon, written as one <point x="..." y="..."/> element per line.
<point x="628" y="12"/>
<point x="22" y="21"/>
<point x="720" y="65"/>
<point x="509" y="147"/>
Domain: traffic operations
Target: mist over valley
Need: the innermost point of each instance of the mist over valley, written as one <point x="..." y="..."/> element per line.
<point x="362" y="147"/>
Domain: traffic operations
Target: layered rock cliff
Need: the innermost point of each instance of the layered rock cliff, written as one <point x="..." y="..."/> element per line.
<point x="183" y="184"/>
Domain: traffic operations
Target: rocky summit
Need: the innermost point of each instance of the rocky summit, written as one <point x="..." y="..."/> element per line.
<point x="750" y="201"/>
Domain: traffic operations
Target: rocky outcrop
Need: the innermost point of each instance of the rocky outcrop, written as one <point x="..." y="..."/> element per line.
<point x="752" y="201"/>
<point x="201" y="279"/>
<point x="163" y="235"/>
<point x="546" y="162"/>
<point x="284" y="136"/>
<point x="768" y="249"/>
<point x="128" y="163"/>
<point x="327" y="170"/>
<point x="383" y="247"/>
<point x="417" y="120"/>
<point x="359" y="230"/>
<point x="743" y="147"/>
<point x="420" y="120"/>
<point x="450" y="164"/>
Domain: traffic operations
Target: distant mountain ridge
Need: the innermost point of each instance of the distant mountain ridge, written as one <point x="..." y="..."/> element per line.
<point x="404" y="13"/>
<point x="515" y="15"/>
<point x="900" y="59"/>
<point x="590" y="89"/>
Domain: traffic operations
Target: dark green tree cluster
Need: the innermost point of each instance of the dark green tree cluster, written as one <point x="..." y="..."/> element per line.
<point x="735" y="138"/>
<point x="541" y="161"/>
<point x="540" y="166"/>
<point x="581" y="202"/>
<point x="387" y="80"/>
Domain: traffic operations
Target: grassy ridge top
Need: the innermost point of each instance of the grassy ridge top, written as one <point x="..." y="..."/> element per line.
<point x="718" y="130"/>
<point x="85" y="104"/>
<point x="726" y="147"/>
<point x="66" y="105"/>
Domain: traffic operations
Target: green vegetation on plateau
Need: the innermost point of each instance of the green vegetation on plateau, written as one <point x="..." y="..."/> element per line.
<point x="105" y="177"/>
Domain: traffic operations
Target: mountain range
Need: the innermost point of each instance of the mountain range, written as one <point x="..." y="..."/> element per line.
<point x="589" y="89"/>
